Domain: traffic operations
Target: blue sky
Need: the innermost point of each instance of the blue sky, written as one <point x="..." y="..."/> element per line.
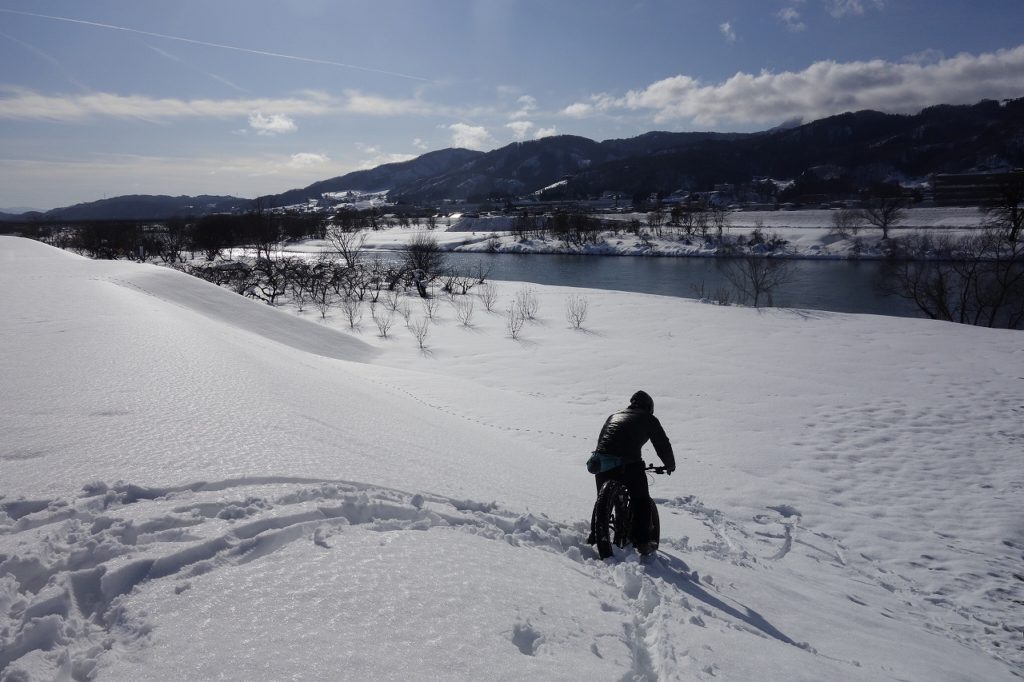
<point x="107" y="97"/>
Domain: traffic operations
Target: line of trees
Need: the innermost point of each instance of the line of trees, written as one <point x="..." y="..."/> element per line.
<point x="178" y="239"/>
<point x="975" y="279"/>
<point x="579" y="228"/>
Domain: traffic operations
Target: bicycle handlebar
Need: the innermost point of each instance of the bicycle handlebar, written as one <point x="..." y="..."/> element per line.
<point x="657" y="470"/>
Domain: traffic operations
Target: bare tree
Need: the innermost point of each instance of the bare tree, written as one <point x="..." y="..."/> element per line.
<point x="300" y="285"/>
<point x="1005" y="210"/>
<point x="576" y="308"/>
<point x="323" y="298"/>
<point x="656" y="219"/>
<point x="846" y="222"/>
<point x="720" y="219"/>
<point x="488" y="296"/>
<point x="685" y="219"/>
<point x="885" y="213"/>
<point x="756" y="278"/>
<point x="353" y="310"/>
<point x="977" y="279"/>
<point x="700" y="223"/>
<point x="424" y="253"/>
<point x="348" y="244"/>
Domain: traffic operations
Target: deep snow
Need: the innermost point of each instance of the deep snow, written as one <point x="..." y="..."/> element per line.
<point x="197" y="486"/>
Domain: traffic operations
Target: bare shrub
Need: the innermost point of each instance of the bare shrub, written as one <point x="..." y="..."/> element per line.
<point x="576" y="310"/>
<point x="383" y="319"/>
<point x="420" y="330"/>
<point x="514" y="321"/>
<point x="526" y="303"/>
<point x="390" y="301"/>
<point x="488" y="294"/>
<point x="430" y="307"/>
<point x="720" y="296"/>
<point x="405" y="311"/>
<point x="464" y="311"/>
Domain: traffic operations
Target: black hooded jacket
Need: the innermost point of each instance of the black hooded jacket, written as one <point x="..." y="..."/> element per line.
<point x="625" y="432"/>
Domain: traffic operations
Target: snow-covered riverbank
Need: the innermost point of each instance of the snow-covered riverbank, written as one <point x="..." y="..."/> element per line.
<point x="197" y="486"/>
<point x="803" y="234"/>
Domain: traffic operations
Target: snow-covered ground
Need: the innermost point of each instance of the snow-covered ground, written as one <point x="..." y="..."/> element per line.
<point x="197" y="486"/>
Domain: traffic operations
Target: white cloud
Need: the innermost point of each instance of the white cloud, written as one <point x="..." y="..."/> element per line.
<point x="545" y="132"/>
<point x="275" y="124"/>
<point x="527" y="105"/>
<point x="307" y="159"/>
<point x="357" y="102"/>
<point x="790" y="16"/>
<point x="470" y="137"/>
<point x="519" y="128"/>
<point x="727" y="31"/>
<point x="17" y="103"/>
<point x="842" y="8"/>
<point x="21" y="103"/>
<point x="822" y="89"/>
<point x="420" y="144"/>
<point x="579" y="110"/>
<point x="929" y="56"/>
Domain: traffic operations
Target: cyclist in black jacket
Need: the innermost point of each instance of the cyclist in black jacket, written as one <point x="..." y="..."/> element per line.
<point x="622" y="436"/>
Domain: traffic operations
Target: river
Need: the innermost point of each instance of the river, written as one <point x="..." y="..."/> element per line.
<point x="835" y="285"/>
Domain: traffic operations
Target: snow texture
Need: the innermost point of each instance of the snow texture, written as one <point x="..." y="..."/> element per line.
<point x="197" y="486"/>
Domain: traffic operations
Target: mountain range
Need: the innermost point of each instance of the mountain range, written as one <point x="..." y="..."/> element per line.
<point x="851" y="150"/>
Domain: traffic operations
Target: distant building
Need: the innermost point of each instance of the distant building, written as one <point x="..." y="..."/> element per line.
<point x="972" y="189"/>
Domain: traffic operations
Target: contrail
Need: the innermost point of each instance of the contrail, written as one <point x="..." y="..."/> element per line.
<point x="235" y="48"/>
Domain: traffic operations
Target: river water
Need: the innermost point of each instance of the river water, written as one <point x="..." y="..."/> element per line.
<point x="835" y="285"/>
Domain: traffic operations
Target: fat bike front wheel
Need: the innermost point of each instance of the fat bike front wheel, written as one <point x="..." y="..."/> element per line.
<point x="654" y="530"/>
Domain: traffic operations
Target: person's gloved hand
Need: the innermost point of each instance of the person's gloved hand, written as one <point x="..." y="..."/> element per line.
<point x="669" y="470"/>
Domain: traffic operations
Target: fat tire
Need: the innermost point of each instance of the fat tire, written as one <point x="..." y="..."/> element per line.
<point x="611" y="520"/>
<point x="654" y="537"/>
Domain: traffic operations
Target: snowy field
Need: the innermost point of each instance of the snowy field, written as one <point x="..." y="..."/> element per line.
<point x="197" y="486"/>
<point x="807" y="234"/>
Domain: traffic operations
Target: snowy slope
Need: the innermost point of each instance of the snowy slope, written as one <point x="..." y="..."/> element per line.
<point x="198" y="486"/>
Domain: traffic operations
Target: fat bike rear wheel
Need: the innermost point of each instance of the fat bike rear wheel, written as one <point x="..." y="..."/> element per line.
<point x="611" y="520"/>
